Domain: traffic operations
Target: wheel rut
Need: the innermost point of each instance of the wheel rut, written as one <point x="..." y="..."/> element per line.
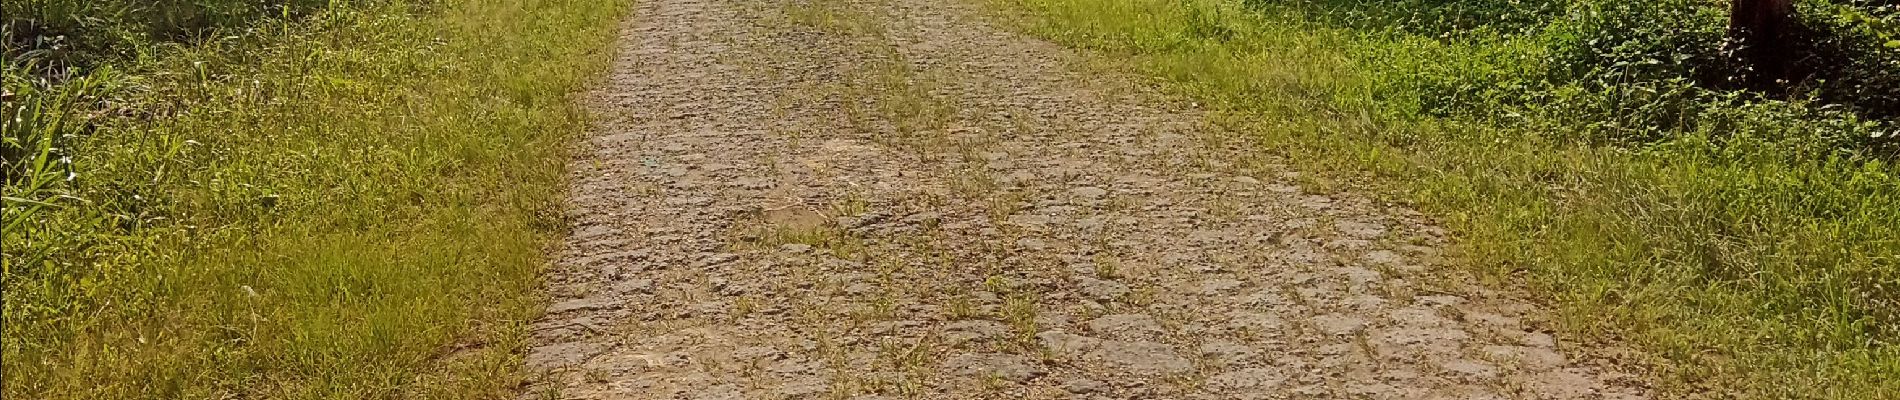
<point x="857" y="199"/>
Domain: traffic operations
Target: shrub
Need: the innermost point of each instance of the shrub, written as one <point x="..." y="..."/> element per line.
<point x="1625" y="72"/>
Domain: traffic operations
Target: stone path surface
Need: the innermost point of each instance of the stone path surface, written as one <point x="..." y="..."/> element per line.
<point x="865" y="199"/>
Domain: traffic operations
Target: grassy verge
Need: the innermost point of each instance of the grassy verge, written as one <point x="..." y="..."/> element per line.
<point x="1752" y="250"/>
<point x="346" y="202"/>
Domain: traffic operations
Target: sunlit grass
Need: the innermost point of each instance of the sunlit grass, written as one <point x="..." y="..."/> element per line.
<point x="355" y="204"/>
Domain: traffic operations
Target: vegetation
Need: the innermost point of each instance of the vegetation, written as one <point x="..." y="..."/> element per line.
<point x="350" y="199"/>
<point x="1609" y="153"/>
<point x="282" y="198"/>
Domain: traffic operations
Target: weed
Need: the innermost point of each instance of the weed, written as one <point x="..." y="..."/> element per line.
<point x="1107" y="266"/>
<point x="744" y="306"/>
<point x="852" y="204"/>
<point x="1019" y="311"/>
<point x="962" y="307"/>
<point x="1142" y="296"/>
<point x="832" y="17"/>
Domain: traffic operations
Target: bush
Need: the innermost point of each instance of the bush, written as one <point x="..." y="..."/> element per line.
<point x="1627" y="72"/>
<point x="66" y="37"/>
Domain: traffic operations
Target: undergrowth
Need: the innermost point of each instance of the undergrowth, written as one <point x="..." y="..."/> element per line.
<point x="1747" y="242"/>
<point x="283" y="199"/>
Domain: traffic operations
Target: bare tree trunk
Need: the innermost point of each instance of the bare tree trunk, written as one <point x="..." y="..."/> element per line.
<point x="1763" y="30"/>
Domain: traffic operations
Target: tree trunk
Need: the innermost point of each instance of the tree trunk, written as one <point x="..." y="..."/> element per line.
<point x="1763" y="32"/>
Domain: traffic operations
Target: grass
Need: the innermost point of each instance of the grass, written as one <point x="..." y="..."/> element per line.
<point x="350" y="202"/>
<point x="1743" y="264"/>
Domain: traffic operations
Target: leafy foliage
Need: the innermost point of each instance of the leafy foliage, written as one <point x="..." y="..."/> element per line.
<point x="1634" y="72"/>
<point x="60" y="35"/>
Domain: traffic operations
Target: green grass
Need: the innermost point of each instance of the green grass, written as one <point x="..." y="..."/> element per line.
<point x="1746" y="254"/>
<point x="354" y="202"/>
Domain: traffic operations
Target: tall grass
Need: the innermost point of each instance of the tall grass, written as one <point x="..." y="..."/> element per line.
<point x="351" y="202"/>
<point x="1750" y="247"/>
<point x="62" y="34"/>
